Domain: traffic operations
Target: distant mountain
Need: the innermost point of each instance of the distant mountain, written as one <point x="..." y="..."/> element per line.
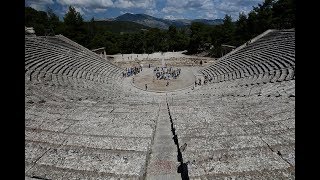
<point x="210" y="22"/>
<point x="181" y="22"/>
<point x="144" y="20"/>
<point x="154" y="22"/>
<point x="121" y="26"/>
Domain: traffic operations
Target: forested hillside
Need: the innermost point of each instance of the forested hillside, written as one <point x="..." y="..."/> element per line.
<point x="128" y="37"/>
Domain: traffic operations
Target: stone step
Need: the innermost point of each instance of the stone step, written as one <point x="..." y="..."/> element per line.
<point x="163" y="162"/>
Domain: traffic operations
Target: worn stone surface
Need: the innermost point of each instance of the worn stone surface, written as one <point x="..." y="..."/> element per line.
<point x="163" y="159"/>
<point x="93" y="124"/>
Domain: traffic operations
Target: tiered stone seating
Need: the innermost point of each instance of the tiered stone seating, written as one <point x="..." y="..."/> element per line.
<point x="84" y="122"/>
<point x="79" y="122"/>
<point x="241" y="125"/>
<point x="269" y="59"/>
<point x="233" y="131"/>
<point x="76" y="133"/>
<point x="46" y="57"/>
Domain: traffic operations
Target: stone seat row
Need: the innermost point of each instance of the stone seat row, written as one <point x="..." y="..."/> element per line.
<point x="52" y="48"/>
<point x="68" y="81"/>
<point x="257" y="65"/>
<point x="271" y="71"/>
<point x="96" y="73"/>
<point x="52" y="60"/>
<point x="277" y="51"/>
<point x="269" y="42"/>
<point x="66" y="48"/>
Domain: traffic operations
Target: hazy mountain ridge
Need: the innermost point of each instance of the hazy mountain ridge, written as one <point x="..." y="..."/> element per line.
<point x="121" y="26"/>
<point x="154" y="22"/>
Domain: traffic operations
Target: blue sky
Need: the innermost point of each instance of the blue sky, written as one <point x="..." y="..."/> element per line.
<point x="169" y="9"/>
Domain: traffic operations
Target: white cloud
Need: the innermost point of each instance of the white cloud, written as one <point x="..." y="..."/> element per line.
<point x="186" y="4"/>
<point x="124" y="12"/>
<point x="39" y="5"/>
<point x="78" y="9"/>
<point x="152" y="12"/>
<point x="177" y="3"/>
<point x="208" y="5"/>
<point x="172" y="10"/>
<point x="95" y="4"/>
<point x="183" y="6"/>
<point x="40" y="1"/>
<point x="211" y="15"/>
<point x="211" y="9"/>
<point x="99" y="10"/>
<point x="87" y="6"/>
<point x="144" y="4"/>
<point x="123" y="4"/>
<point x="168" y="17"/>
<point x="234" y="7"/>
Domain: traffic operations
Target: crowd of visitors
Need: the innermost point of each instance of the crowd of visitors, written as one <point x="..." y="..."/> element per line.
<point x="132" y="71"/>
<point x="166" y="73"/>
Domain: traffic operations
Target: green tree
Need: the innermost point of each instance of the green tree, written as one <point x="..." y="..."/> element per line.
<point x="228" y="29"/>
<point x="92" y="28"/>
<point x="216" y="36"/>
<point x="153" y="39"/>
<point x="94" y="34"/>
<point x="196" y="37"/>
<point x="53" y="19"/>
<point x="172" y="38"/>
<point x="74" y="27"/>
<point x="124" y="43"/>
<point x="253" y="24"/>
<point x="73" y="18"/>
<point x="137" y="43"/>
<point x="241" y="30"/>
<point x="284" y="14"/>
<point x="182" y="41"/>
<point x="36" y="19"/>
<point x="264" y="16"/>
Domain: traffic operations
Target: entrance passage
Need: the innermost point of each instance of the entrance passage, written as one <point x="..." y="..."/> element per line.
<point x="146" y="80"/>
